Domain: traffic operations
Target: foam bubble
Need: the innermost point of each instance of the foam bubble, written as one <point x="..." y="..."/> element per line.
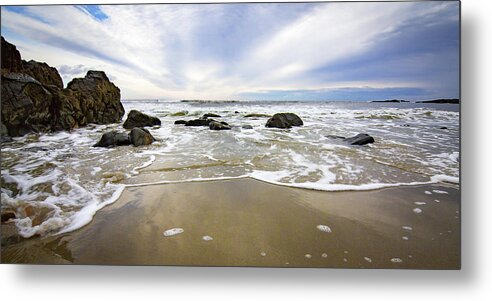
<point x="408" y="228"/>
<point x="173" y="232"/>
<point x="439" y="191"/>
<point x="324" y="228"/>
<point x="417" y="210"/>
<point x="308" y="256"/>
<point x="396" y="260"/>
<point x="419" y="203"/>
<point x="207" y="238"/>
<point x="368" y="259"/>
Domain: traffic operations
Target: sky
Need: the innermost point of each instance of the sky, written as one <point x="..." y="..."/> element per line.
<point x="271" y="51"/>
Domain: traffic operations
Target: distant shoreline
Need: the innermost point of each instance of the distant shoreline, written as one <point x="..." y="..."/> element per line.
<point x="436" y="101"/>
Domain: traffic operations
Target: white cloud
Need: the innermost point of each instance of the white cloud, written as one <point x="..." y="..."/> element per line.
<point x="162" y="50"/>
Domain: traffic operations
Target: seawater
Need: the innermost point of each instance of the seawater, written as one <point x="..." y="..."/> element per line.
<point x="57" y="182"/>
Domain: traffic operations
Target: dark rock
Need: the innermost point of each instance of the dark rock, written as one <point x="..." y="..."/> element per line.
<point x="284" y="121"/>
<point x="43" y="73"/>
<point x="359" y="139"/>
<point x="247" y="127"/>
<point x="33" y="98"/>
<point x="208" y="115"/>
<point x="6" y="216"/>
<point x="11" y="58"/>
<point x="198" y="122"/>
<point x="139" y="119"/>
<point x="219" y="126"/>
<point x="30" y="106"/>
<point x="180" y="122"/>
<point x="443" y="128"/>
<point x="236" y="112"/>
<point x="113" y="138"/>
<point x="140" y="136"/>
<point x="26" y="105"/>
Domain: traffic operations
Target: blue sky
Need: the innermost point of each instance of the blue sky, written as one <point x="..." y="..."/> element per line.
<point x="307" y="51"/>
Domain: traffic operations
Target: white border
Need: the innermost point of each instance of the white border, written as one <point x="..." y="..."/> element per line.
<point x="473" y="282"/>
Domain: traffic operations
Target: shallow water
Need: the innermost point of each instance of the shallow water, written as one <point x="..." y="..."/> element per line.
<point x="56" y="182"/>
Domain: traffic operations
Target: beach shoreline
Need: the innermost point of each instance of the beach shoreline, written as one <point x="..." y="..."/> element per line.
<point x="246" y="222"/>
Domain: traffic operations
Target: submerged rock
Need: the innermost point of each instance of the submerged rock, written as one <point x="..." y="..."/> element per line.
<point x="359" y="139"/>
<point x="284" y="121"/>
<point x="180" y="113"/>
<point x="113" y="138"/>
<point x="140" y="136"/>
<point x="180" y="122"/>
<point x="198" y="122"/>
<point x="255" y="115"/>
<point x="208" y="115"/>
<point x="137" y="137"/>
<point x="247" y="127"/>
<point x="219" y="126"/>
<point x="138" y="119"/>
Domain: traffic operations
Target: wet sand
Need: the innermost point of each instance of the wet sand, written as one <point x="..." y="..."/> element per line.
<point x="253" y="223"/>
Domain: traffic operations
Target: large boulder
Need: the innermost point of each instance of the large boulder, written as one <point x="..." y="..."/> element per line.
<point x="140" y="136"/>
<point x="284" y="121"/>
<point x="99" y="98"/>
<point x="219" y="126"/>
<point x="113" y="138"/>
<point x="359" y="139"/>
<point x="11" y="58"/>
<point x="138" y="119"/>
<point x="43" y="73"/>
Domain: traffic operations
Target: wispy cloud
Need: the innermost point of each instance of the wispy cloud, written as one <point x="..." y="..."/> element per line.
<point x="243" y="50"/>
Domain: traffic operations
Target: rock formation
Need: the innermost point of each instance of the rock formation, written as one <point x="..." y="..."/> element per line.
<point x="33" y="98"/>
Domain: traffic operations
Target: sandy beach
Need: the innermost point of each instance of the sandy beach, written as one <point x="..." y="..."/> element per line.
<point x="246" y="222"/>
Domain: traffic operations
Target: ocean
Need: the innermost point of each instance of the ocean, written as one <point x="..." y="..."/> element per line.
<point x="56" y="182"/>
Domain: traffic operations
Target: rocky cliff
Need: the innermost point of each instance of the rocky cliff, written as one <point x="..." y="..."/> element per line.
<point x="33" y="98"/>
